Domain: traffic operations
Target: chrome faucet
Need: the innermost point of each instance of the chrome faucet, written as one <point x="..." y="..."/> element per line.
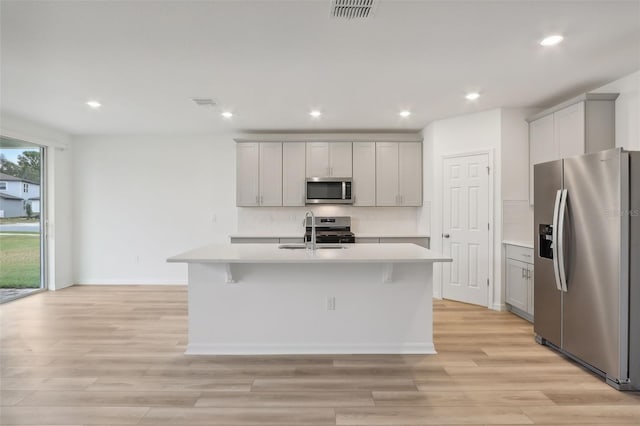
<point x="311" y="245"/>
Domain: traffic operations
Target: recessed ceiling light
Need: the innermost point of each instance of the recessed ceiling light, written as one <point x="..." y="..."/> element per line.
<point x="227" y="114"/>
<point x="551" y="40"/>
<point x="94" y="104"/>
<point x="404" y="113"/>
<point x="315" y="113"/>
<point x="472" y="96"/>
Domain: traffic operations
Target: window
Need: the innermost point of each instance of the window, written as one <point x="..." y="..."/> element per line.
<point x="3" y="186"/>
<point x="22" y="253"/>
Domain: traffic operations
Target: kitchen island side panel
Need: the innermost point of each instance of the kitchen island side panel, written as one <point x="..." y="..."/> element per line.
<point x="287" y="309"/>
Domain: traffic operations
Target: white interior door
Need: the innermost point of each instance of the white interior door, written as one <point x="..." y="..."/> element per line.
<point x="465" y="235"/>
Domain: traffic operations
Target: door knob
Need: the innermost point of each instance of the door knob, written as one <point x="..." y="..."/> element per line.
<point x="445" y="235"/>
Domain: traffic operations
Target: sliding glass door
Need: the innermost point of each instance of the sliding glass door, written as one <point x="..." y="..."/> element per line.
<point x="21" y="219"/>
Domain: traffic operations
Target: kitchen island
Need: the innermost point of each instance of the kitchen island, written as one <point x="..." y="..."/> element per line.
<point x="356" y="299"/>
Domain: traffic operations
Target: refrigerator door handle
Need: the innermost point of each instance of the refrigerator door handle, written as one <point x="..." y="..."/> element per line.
<point x="563" y="210"/>
<point x="554" y="239"/>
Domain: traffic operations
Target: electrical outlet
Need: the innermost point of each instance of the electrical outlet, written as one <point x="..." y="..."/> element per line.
<point x="331" y="303"/>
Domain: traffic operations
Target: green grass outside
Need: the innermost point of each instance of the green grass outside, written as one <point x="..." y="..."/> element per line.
<point x="19" y="260"/>
<point x="10" y="220"/>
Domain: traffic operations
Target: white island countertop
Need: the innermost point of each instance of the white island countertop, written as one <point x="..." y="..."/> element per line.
<point x="270" y="253"/>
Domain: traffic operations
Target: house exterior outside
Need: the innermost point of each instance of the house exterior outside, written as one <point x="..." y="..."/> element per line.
<point x="16" y="193"/>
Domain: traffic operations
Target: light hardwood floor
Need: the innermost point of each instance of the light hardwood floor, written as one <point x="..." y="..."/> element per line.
<point x="114" y="355"/>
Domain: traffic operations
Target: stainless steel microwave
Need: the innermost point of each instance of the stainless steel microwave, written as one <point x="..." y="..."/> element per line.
<point x="326" y="190"/>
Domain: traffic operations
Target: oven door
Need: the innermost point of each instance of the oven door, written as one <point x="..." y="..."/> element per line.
<point x="328" y="191"/>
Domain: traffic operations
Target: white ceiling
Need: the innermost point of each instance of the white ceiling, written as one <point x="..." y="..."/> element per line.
<point x="272" y="62"/>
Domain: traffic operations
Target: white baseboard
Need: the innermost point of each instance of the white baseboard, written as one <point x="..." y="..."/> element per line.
<point x="150" y="281"/>
<point x="498" y="307"/>
<point x="324" y="349"/>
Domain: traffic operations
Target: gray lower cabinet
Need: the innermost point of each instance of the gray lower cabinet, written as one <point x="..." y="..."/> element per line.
<point x="421" y="241"/>
<point x="266" y="240"/>
<point x="255" y="240"/>
<point x="291" y="240"/>
<point x="519" y="276"/>
<point x="367" y="240"/>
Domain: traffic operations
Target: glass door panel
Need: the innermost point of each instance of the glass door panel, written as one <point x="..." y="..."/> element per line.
<point x="21" y="218"/>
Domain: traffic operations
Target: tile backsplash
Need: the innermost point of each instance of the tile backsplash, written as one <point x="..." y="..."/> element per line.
<point x="517" y="220"/>
<point x="366" y="220"/>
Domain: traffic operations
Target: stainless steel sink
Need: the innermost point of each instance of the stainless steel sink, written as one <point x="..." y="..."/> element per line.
<point x="318" y="247"/>
<point x="292" y="246"/>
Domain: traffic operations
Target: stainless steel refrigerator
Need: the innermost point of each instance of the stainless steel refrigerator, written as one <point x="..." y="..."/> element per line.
<point x="587" y="263"/>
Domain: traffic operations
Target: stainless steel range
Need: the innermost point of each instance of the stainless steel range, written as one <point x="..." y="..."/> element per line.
<point x="335" y="230"/>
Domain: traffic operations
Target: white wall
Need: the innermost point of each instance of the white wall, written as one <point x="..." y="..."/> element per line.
<point x="141" y="199"/>
<point x="470" y="133"/>
<point x="517" y="215"/>
<point x="59" y="215"/>
<point x="627" y="110"/>
<point x="425" y="214"/>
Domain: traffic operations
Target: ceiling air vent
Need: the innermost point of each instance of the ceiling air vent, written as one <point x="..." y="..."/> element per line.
<point x="353" y="9"/>
<point x="204" y="102"/>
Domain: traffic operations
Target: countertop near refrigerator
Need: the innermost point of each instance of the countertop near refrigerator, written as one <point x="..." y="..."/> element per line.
<point x="525" y="244"/>
<point x="260" y="299"/>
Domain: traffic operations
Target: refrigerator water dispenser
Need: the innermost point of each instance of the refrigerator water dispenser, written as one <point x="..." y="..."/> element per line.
<point x="545" y="246"/>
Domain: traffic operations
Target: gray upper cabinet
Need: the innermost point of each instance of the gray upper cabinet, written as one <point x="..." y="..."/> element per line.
<point x="582" y="125"/>
<point x="271" y="173"/>
<point x="293" y="174"/>
<point x="364" y="174"/>
<point x="247" y="174"/>
<point x="259" y="174"/>
<point x="329" y="159"/>
<point x="398" y="174"/>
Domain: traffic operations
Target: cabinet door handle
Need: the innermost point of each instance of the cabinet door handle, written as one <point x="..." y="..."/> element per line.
<point x="523" y="273"/>
<point x="261" y="200"/>
<point x="257" y="200"/>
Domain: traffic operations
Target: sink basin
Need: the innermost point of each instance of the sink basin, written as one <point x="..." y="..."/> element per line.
<point x="318" y="247"/>
<point x="292" y="246"/>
